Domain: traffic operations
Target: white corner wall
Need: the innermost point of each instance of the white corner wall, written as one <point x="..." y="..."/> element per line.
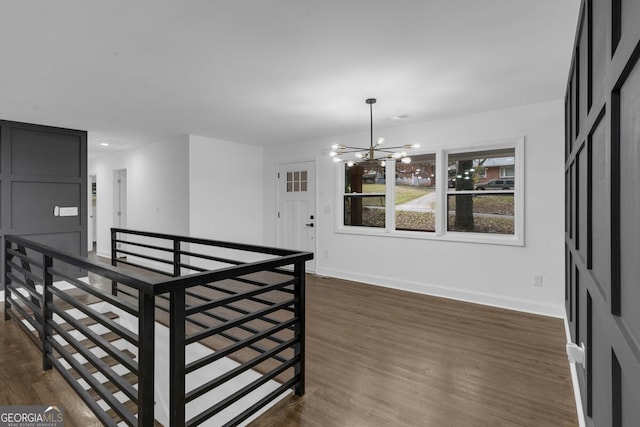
<point x="483" y="273"/>
<point x="225" y="190"/>
<point x="157" y="189"/>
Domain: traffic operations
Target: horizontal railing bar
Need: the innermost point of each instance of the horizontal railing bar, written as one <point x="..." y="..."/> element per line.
<point x="228" y="336"/>
<point x="37" y="311"/>
<point x="230" y="292"/>
<point x="109" y="348"/>
<point x="262" y="402"/>
<point x="27" y="274"/>
<point x="149" y="257"/>
<point x="203" y="361"/>
<point x="229" y="272"/>
<point x="229" y="375"/>
<point x="108" y="397"/>
<point x="83" y="394"/>
<point x="144" y="267"/>
<point x="24" y="257"/>
<point x="104" y="270"/>
<point x="237" y="297"/>
<point x="229" y="400"/>
<point x="120" y="290"/>
<point x="241" y="311"/>
<point x="233" y="338"/>
<point x="274" y="270"/>
<point x="211" y="258"/>
<point x="225" y="319"/>
<point x="23" y="285"/>
<point x="94" y="360"/>
<point x="209" y="242"/>
<point x="96" y="292"/>
<point x="32" y="321"/>
<point x="142" y="245"/>
<point x="232" y="323"/>
<point x="99" y="317"/>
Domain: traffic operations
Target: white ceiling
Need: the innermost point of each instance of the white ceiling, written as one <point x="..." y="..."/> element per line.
<point x="269" y="72"/>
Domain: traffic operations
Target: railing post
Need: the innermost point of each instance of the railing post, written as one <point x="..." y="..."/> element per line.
<point x="176" y="258"/>
<point x="7" y="280"/>
<point x="177" y="373"/>
<point x="114" y="262"/>
<point x="47" y="312"/>
<point x="146" y="359"/>
<point x="299" y="329"/>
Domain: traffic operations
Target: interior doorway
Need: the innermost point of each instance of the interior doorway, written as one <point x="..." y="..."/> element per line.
<point x="120" y="200"/>
<point x="92" y="229"/>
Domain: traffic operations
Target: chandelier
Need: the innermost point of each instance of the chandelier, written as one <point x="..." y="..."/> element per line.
<point x="373" y="153"/>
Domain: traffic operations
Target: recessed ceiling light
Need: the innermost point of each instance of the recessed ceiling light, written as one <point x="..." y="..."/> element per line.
<point x="399" y="117"/>
<point x="104" y="144"/>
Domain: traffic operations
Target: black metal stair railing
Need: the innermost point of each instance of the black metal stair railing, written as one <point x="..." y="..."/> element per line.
<point x="243" y="303"/>
<point x="35" y="296"/>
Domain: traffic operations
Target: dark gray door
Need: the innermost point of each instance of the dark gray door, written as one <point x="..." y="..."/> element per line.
<point x="602" y="173"/>
<point x="43" y="196"/>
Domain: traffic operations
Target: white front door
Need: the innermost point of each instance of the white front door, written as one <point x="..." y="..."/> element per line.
<point x="297" y="208"/>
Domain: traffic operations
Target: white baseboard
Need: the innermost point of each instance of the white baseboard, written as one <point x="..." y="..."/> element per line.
<point x="574" y="380"/>
<point x="500" y="301"/>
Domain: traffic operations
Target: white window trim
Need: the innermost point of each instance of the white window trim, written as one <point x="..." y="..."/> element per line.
<point x="517" y="239"/>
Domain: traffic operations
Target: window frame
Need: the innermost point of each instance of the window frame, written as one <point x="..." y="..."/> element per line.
<point x="440" y="233"/>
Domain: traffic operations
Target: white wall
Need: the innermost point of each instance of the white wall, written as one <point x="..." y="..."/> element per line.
<point x="489" y="274"/>
<point x="157" y="189"/>
<point x="225" y="190"/>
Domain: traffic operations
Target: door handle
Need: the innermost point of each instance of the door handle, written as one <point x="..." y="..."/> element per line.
<point x="309" y="225"/>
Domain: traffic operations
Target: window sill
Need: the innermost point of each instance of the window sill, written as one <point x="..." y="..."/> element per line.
<point x="451" y="236"/>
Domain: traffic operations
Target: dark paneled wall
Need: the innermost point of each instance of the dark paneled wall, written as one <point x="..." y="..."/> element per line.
<point x="41" y="168"/>
<point x="602" y="173"/>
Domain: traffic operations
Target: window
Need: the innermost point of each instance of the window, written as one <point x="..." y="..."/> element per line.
<point x="475" y="204"/>
<point x="364" y="195"/>
<point x="296" y="181"/>
<point x="466" y="195"/>
<point x="506" y="171"/>
<point x="415" y="194"/>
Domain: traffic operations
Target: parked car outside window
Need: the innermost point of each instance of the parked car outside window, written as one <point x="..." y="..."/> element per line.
<point x="496" y="184"/>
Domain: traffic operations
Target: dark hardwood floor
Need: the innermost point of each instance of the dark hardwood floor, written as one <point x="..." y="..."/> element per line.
<point x="380" y="357"/>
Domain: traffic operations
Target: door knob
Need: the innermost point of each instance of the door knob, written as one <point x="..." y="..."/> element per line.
<point x="309" y="225"/>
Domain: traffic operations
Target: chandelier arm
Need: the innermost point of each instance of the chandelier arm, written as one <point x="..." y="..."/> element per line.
<point x="386" y="150"/>
<point x="353" y="150"/>
<point x="395" y="148"/>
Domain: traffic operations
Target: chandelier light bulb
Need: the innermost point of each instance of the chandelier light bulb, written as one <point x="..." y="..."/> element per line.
<point x="359" y="155"/>
<point x="334" y="146"/>
<point x="406" y="160"/>
<point x="350" y="163"/>
<point x="333" y="154"/>
<point x="380" y="141"/>
<point x="397" y="155"/>
<point x="383" y="163"/>
<point x="403" y="153"/>
<point x="337" y="159"/>
<point x="415" y="146"/>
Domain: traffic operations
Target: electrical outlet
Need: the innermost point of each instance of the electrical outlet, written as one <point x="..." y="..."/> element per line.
<point x="537" y="280"/>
